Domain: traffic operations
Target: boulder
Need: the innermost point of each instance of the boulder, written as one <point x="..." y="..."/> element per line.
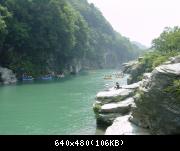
<point x="134" y="69"/>
<point x="122" y="126"/>
<point x="7" y="76"/>
<point x="128" y="67"/>
<point x="175" y="59"/>
<point x="104" y="120"/>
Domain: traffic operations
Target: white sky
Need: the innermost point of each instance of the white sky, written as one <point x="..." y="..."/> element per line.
<point x="140" y="20"/>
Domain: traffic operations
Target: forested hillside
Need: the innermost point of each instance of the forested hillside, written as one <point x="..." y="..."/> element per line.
<point x="43" y="36"/>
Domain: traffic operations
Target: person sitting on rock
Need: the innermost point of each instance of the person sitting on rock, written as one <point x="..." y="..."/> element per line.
<point x="117" y="85"/>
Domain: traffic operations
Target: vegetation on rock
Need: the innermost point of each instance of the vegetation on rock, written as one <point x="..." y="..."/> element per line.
<point x="174" y="88"/>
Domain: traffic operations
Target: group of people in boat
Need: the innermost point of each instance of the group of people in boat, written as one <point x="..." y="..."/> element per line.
<point x="26" y="77"/>
<point x="60" y="75"/>
<point x="117" y="75"/>
<point x="107" y="77"/>
<point x="47" y="77"/>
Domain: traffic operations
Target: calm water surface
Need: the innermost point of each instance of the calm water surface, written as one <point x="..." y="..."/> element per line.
<point x="61" y="107"/>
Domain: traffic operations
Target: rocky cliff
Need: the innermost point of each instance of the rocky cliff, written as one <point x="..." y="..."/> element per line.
<point x="157" y="103"/>
<point x="150" y="106"/>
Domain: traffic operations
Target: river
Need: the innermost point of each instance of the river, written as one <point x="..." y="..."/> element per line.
<point x="62" y="107"/>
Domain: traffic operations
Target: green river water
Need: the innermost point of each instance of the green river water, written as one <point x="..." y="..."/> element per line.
<point x="62" y="107"/>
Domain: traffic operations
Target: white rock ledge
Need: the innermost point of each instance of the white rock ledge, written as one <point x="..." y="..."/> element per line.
<point x="123" y="106"/>
<point x="132" y="86"/>
<point x="122" y="126"/>
<point x="113" y="93"/>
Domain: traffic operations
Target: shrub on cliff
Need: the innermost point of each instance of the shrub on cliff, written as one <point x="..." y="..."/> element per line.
<point x="174" y="89"/>
<point x="153" y="59"/>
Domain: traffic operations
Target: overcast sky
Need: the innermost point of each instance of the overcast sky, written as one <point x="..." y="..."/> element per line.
<point x="140" y="20"/>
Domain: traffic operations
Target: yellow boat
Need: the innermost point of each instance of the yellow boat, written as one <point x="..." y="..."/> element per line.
<point x="119" y="76"/>
<point x="108" y="77"/>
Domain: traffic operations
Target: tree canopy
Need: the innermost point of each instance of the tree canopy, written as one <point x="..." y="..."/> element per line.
<point x="169" y="40"/>
<point x="39" y="36"/>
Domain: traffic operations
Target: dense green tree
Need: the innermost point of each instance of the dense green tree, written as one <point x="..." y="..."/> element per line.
<point x="4" y="15"/>
<point x="47" y="35"/>
<point x="169" y="40"/>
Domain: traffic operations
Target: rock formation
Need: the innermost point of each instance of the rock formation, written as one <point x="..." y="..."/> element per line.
<point x="7" y="76"/>
<point x="157" y="108"/>
<point x="150" y="106"/>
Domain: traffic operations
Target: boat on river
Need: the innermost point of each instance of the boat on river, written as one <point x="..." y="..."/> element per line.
<point x="60" y="76"/>
<point x="107" y="77"/>
<point x="47" y="77"/>
<point x="119" y="75"/>
<point x="27" y="78"/>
